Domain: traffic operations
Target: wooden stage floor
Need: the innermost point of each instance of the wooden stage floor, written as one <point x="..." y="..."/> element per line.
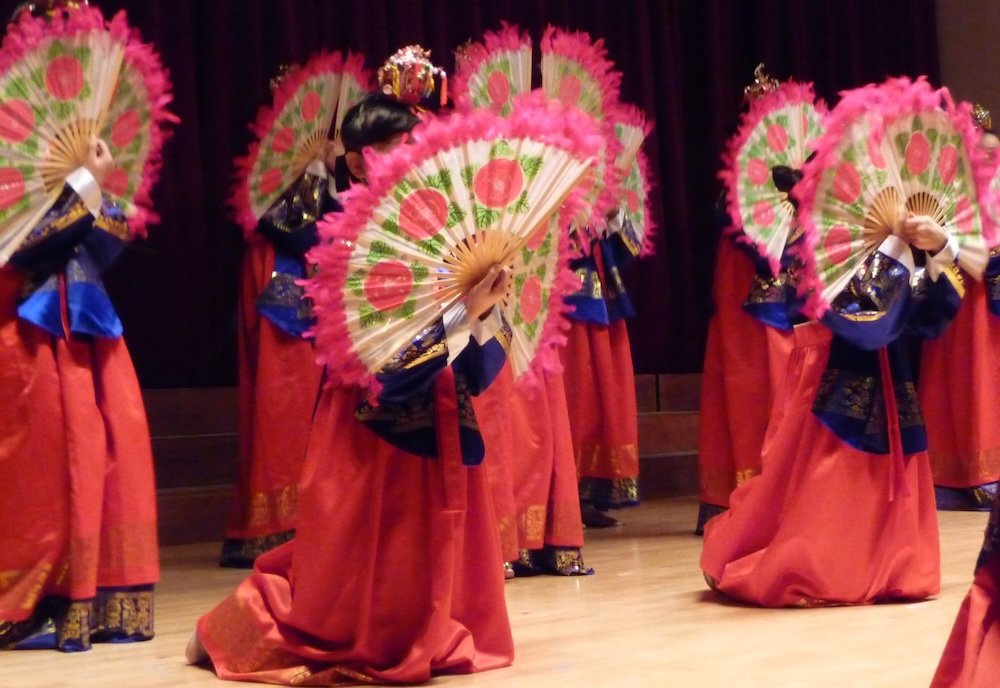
<point x="644" y="619"/>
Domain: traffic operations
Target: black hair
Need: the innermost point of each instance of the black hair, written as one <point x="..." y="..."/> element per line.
<point x="375" y="119"/>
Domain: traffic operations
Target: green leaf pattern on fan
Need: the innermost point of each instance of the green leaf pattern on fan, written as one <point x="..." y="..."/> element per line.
<point x="568" y="81"/>
<point x="491" y="86"/>
<point x="780" y="138"/>
<point x="128" y="133"/>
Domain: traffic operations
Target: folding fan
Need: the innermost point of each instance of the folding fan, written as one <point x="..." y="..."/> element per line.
<point x="780" y="127"/>
<point x="636" y="227"/>
<point x="901" y="144"/>
<point x="64" y="80"/>
<point x="576" y="71"/>
<point x="490" y="74"/>
<point x="294" y="130"/>
<point x="471" y="190"/>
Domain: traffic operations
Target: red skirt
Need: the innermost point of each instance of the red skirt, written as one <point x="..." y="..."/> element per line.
<point x="959" y="379"/>
<point x="279" y="384"/>
<point x="77" y="501"/>
<point x="971" y="659"/>
<point x="600" y="397"/>
<point x="529" y="459"/>
<point x="735" y="385"/>
<point x="393" y="576"/>
<point x="817" y="526"/>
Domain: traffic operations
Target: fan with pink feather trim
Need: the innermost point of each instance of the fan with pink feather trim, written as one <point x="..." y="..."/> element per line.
<point x="576" y="71"/>
<point x="472" y="189"/>
<point x="895" y="145"/>
<point x="494" y="72"/>
<point x="780" y="127"/>
<point x="308" y="102"/>
<point x="63" y="80"/>
<point x="636" y="226"/>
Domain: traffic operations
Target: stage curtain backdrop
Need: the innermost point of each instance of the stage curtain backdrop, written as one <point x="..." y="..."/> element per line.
<point x="685" y="63"/>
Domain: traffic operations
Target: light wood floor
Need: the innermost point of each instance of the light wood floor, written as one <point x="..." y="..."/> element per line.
<point x="645" y="619"/>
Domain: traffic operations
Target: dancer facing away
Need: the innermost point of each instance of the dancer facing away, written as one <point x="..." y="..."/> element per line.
<point x="423" y="591"/>
<point x="959" y="373"/>
<point x="833" y="519"/>
<point x="278" y="374"/>
<point x="78" y="547"/>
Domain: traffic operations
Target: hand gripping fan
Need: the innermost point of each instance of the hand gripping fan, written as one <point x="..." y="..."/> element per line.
<point x="63" y="80"/>
<point x="472" y="189"/>
<point x="781" y="127"/>
<point x="898" y="144"/>
<point x="294" y="130"/>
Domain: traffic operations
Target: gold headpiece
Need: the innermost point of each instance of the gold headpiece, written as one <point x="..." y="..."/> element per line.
<point x="49" y="8"/>
<point x="283" y="71"/>
<point x="762" y="84"/>
<point x="410" y="77"/>
<point x="982" y="116"/>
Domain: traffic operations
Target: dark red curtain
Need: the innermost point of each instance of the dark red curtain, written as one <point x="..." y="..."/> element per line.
<point x="685" y="62"/>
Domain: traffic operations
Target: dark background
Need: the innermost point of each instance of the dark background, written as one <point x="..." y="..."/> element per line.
<point x="685" y="63"/>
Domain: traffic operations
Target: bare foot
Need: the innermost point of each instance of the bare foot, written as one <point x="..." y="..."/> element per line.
<point x="195" y="651"/>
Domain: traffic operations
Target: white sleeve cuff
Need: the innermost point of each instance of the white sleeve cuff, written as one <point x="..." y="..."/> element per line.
<point x="87" y="188"/>
<point x="486" y="329"/>
<point x="457" y="330"/>
<point x="943" y="259"/>
<point x="317" y="168"/>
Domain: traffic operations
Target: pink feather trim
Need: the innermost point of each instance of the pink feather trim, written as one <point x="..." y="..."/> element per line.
<point x="648" y="247"/>
<point x="535" y="117"/>
<point x="787" y="93"/>
<point x="590" y="55"/>
<point x="322" y="63"/>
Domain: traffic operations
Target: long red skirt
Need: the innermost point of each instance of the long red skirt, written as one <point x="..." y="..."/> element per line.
<point x="959" y="379"/>
<point x="603" y="417"/>
<point x="279" y="383"/>
<point x="394" y="574"/>
<point x="735" y="388"/>
<point x="529" y="458"/>
<point x="971" y="659"/>
<point x="77" y="499"/>
<point x="817" y="525"/>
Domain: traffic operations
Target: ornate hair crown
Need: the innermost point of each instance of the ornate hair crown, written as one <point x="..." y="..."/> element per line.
<point x="763" y="83"/>
<point x="410" y="77"/>
<point x="982" y="116"/>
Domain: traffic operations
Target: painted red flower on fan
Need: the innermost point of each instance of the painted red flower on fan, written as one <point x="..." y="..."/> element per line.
<point x="569" y="89"/>
<point x="777" y="138"/>
<point x="498" y="87"/>
<point x="270" y="181"/>
<point x="311" y="104"/>
<point x="388" y="285"/>
<point x="424" y="213"/>
<point x="874" y="144"/>
<point x="283" y="140"/>
<point x="498" y="183"/>
<point x="758" y="171"/>
<point x="948" y="163"/>
<point x="837" y="244"/>
<point x="64" y="77"/>
<point x="125" y="128"/>
<point x="17" y="120"/>
<point x="531" y="299"/>
<point x="116" y="183"/>
<point x="537" y="236"/>
<point x="632" y="201"/>
<point x="965" y="215"/>
<point x="846" y="183"/>
<point x="11" y="187"/>
<point x="918" y="153"/>
<point x="763" y="213"/>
